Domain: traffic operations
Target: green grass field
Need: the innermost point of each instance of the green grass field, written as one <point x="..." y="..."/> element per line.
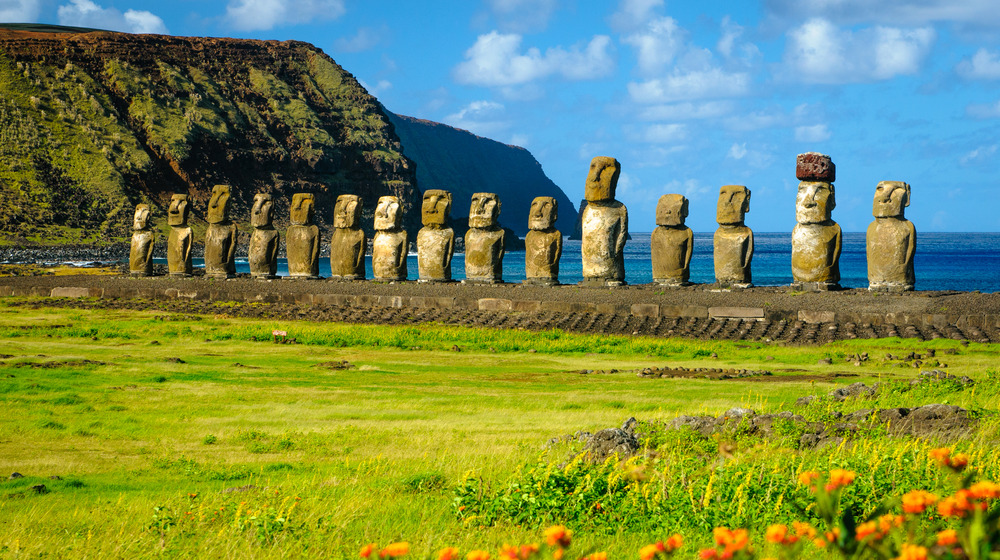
<point x="182" y="436"/>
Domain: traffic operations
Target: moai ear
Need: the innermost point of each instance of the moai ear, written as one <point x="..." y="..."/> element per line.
<point x="746" y="202"/>
<point x="684" y="207"/>
<point x="907" y="187"/>
<point x="831" y="202"/>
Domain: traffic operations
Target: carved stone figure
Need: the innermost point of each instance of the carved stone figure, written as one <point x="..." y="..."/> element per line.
<point x="347" y="245"/>
<point x="733" y="250"/>
<point x="302" y="238"/>
<point x="816" y="239"/>
<point x="140" y="256"/>
<point x="179" y="242"/>
<point x="672" y="242"/>
<point x="605" y="226"/>
<point x="891" y="240"/>
<point x="484" y="241"/>
<point x="220" y="237"/>
<point x="543" y="243"/>
<point x="435" y="241"/>
<point x="391" y="241"/>
<point x="264" y="242"/>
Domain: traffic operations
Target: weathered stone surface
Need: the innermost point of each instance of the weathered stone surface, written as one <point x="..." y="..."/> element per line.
<point x="651" y="310"/>
<point x="816" y="317"/>
<point x="263" y="253"/>
<point x="605" y="225"/>
<point x="543" y="243"/>
<point x="484" y="240"/>
<point x="816" y="239"/>
<point x="181" y="238"/>
<point x="302" y="238"/>
<point x="891" y="240"/>
<point x="671" y="243"/>
<point x="814" y="166"/>
<point x="733" y="241"/>
<point x="736" y="312"/>
<point x="347" y="244"/>
<point x="220" y="237"/>
<point x="391" y="241"/>
<point x="140" y="257"/>
<point x="494" y="304"/>
<point x="435" y="241"/>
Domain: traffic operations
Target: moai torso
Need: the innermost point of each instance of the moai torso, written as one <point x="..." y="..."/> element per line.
<point x="391" y="242"/>
<point x="220" y="237"/>
<point x="140" y="257"/>
<point x="605" y="226"/>
<point x="302" y="239"/>
<point x="671" y="243"/>
<point x="435" y="241"/>
<point x="265" y="240"/>
<point x="484" y="241"/>
<point x="892" y="240"/>
<point x="347" y="245"/>
<point x="733" y="241"/>
<point x="543" y="243"/>
<point x="181" y="238"/>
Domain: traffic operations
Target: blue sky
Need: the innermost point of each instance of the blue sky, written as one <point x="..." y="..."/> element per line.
<point x="688" y="96"/>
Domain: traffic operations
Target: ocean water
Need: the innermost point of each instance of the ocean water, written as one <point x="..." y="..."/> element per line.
<point x="944" y="261"/>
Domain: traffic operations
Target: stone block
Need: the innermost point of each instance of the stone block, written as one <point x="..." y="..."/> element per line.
<point x="390" y="301"/>
<point x="530" y="306"/>
<point x="645" y="310"/>
<point x="813" y="166"/>
<point x="736" y="312"/>
<point x="568" y="307"/>
<point x="6" y="291"/>
<point x="786" y="315"/>
<point x="611" y="309"/>
<point x="695" y="311"/>
<point x="70" y="292"/>
<point x="494" y="304"/>
<point x="817" y="316"/>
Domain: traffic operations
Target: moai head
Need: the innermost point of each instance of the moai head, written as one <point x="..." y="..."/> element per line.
<point x="734" y="202"/>
<point x="303" y="207"/>
<point x="218" y="206"/>
<point x="347" y="211"/>
<point x="387" y="214"/>
<point x="436" y="207"/>
<point x="261" y="214"/>
<point x="890" y="199"/>
<point x="544" y="213"/>
<point x="815" y="202"/>
<point x="140" y="220"/>
<point x="673" y="209"/>
<point x="177" y="213"/>
<point x="484" y="211"/>
<point x="602" y="179"/>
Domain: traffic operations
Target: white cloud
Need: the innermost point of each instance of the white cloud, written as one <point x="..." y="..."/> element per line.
<point x="484" y="118"/>
<point x="737" y="151"/>
<point x="687" y="111"/>
<point x="521" y="140"/>
<point x="895" y="12"/>
<point x="664" y="133"/>
<point x="983" y="110"/>
<point x="696" y="84"/>
<point x="20" y="11"/>
<point x="523" y="16"/>
<point x="632" y="14"/>
<point x="496" y="60"/>
<point x="984" y="65"/>
<point x="85" y="13"/>
<point x="982" y="154"/>
<point x="365" y="39"/>
<point x="820" y="52"/>
<point x="256" y="15"/>
<point x="691" y="188"/>
<point x="657" y="45"/>
<point x="814" y="133"/>
<point x="380" y="87"/>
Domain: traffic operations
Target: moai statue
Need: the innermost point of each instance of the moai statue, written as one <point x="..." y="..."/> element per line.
<point x="672" y="242"/>
<point x="347" y="245"/>
<point x="543" y="243"/>
<point x="484" y="241"/>
<point x="605" y="226"/>
<point x="435" y="241"/>
<point x="179" y="242"/>
<point x="220" y="237"/>
<point x="140" y="256"/>
<point x="264" y="242"/>
<point x="816" y="239"/>
<point x="391" y="241"/>
<point x="891" y="240"/>
<point x="302" y="238"/>
<point x="733" y="248"/>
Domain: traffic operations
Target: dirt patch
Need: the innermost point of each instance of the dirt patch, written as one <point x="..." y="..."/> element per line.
<point x="59" y="364"/>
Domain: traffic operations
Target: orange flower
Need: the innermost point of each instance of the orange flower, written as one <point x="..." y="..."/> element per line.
<point x="395" y="550"/>
<point x="477" y="555"/>
<point x="957" y="505"/>
<point x="448" y="553"/>
<point x="674" y="542"/>
<point x="599" y="556"/>
<point x="367" y="550"/>
<point x="985" y="490"/>
<point x="803" y="529"/>
<point x="940" y="455"/>
<point x="947" y="537"/>
<point x="778" y="534"/>
<point x="731" y="540"/>
<point x="649" y="551"/>
<point x="808" y="477"/>
<point x="916" y="501"/>
<point x="866" y="529"/>
<point x="958" y="461"/>
<point x="558" y="535"/>
<point x="912" y="552"/>
<point x="509" y="552"/>
<point x="527" y="551"/>
<point x="708" y="554"/>
<point x="838" y="479"/>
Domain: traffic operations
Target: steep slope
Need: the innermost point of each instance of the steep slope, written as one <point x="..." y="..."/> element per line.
<point x="463" y="163"/>
<point x="93" y="122"/>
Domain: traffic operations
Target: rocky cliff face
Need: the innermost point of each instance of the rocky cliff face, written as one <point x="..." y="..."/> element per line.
<point x="93" y="123"/>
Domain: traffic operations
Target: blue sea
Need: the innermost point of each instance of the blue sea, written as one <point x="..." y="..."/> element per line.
<point x="944" y="261"/>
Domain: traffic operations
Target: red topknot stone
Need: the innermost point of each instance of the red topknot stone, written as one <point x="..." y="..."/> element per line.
<point x="814" y="166"/>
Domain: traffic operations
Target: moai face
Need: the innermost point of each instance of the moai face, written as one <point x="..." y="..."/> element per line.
<point x="303" y="206"/>
<point x="436" y="207"/>
<point x="347" y="211"/>
<point x="261" y="214"/>
<point x="673" y="209"/>
<point x="177" y="213"/>
<point x="734" y="203"/>
<point x="218" y="206"/>
<point x="814" y="202"/>
<point x="484" y="210"/>
<point x="140" y="220"/>
<point x="543" y="214"/>
<point x="602" y="179"/>
<point x="890" y="199"/>
<point x="387" y="214"/>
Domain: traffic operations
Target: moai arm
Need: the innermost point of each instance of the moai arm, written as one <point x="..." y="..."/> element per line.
<point x="450" y="250"/>
<point x="404" y="250"/>
<point x="314" y="253"/>
<point x="231" y="253"/>
<point x="149" y="249"/>
<point x="836" y="245"/>
<point x="911" y="247"/>
<point x="622" y="231"/>
<point x="360" y="261"/>
<point x="502" y="244"/>
<point x="272" y="249"/>
<point x="690" y="249"/>
<point x="187" y="246"/>
<point x="558" y="251"/>
<point x="749" y="252"/>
